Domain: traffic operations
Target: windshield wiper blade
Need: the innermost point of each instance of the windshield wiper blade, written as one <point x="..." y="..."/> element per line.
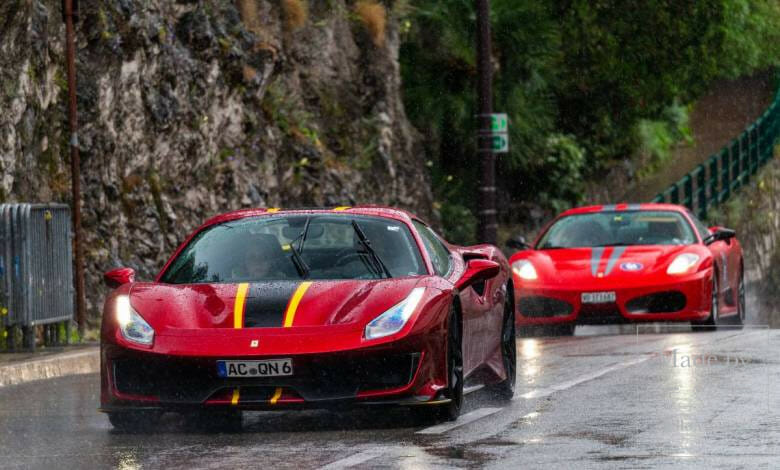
<point x="379" y="266"/>
<point x="297" y="259"/>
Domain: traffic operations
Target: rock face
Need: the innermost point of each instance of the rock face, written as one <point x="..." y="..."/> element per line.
<point x="194" y="107"/>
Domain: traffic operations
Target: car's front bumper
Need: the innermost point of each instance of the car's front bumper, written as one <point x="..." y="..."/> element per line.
<point x="407" y="372"/>
<point x="683" y="299"/>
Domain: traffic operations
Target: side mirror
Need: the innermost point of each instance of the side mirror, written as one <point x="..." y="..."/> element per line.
<point x="518" y="243"/>
<point x="478" y="270"/>
<point x="720" y="234"/>
<point x="118" y="277"/>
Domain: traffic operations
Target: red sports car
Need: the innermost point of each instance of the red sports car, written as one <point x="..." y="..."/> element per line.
<point x="628" y="263"/>
<point x="266" y="308"/>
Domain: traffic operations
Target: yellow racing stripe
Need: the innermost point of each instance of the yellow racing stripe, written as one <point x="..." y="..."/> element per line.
<point x="273" y="210"/>
<point x="234" y="400"/>
<point x="238" y="307"/>
<point x="289" y="315"/>
<point x="341" y="208"/>
<point x="277" y="394"/>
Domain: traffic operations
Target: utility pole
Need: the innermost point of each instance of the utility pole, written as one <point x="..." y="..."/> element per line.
<point x="70" y="12"/>
<point x="488" y="225"/>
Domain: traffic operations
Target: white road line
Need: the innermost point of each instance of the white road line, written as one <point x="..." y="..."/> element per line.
<point x="462" y="421"/>
<point x="354" y="459"/>
<point x="543" y="392"/>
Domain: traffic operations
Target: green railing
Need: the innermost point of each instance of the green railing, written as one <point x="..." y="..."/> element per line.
<point x="714" y="181"/>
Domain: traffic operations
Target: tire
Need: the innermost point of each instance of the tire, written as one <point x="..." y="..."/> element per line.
<point x="563" y="329"/>
<point x="454" y="391"/>
<point x="134" y="421"/>
<point x="711" y="322"/>
<point x="505" y="389"/>
<point x="741" y="300"/>
<point x="216" y="420"/>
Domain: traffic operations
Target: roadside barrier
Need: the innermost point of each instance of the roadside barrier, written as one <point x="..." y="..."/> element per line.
<point x="714" y="181"/>
<point x="36" y="278"/>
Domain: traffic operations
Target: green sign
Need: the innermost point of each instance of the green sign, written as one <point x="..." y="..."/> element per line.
<point x="499" y="143"/>
<point x="499" y="122"/>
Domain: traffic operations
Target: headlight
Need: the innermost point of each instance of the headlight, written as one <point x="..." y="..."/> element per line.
<point x="683" y="263"/>
<point x="133" y="327"/>
<point x="395" y="318"/>
<point x="524" y="269"/>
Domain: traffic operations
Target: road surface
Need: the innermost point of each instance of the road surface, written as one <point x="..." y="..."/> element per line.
<point x="673" y="400"/>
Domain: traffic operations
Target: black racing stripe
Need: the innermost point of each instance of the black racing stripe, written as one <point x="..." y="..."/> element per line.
<point x="266" y="303"/>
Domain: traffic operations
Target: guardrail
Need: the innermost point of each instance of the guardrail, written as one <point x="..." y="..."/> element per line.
<point x="36" y="279"/>
<point x="714" y="181"/>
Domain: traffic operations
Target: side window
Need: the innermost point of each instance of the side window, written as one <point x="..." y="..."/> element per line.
<point x="440" y="256"/>
<point x="704" y="232"/>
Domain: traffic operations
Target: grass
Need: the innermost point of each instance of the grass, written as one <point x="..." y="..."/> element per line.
<point x="296" y="12"/>
<point x="373" y="16"/>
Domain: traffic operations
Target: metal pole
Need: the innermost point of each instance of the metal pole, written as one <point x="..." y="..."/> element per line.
<point x="75" y="165"/>
<point x="487" y="188"/>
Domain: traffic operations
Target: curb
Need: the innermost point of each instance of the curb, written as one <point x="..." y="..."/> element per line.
<point x="81" y="362"/>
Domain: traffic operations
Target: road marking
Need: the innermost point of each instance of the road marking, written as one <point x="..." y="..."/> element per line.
<point x="544" y="392"/>
<point x="354" y="459"/>
<point x="462" y="421"/>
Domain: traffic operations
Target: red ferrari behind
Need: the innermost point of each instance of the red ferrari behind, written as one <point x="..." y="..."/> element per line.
<point x="628" y="263"/>
<point x="262" y="309"/>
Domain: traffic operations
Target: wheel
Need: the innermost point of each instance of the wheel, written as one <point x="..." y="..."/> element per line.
<point x="216" y="420"/>
<point x="711" y="322"/>
<point x="454" y="390"/>
<point x="505" y="389"/>
<point x="134" y="421"/>
<point x="561" y="329"/>
<point x="741" y="300"/>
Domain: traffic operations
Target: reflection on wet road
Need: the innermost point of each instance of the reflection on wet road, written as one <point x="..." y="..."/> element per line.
<point x="619" y="400"/>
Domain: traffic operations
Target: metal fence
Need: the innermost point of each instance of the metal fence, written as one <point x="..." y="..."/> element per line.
<point x="36" y="280"/>
<point x="714" y="181"/>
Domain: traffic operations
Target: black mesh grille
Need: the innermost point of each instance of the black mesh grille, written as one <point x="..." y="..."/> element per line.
<point x="661" y="302"/>
<point x="315" y="378"/>
<point x="540" y="306"/>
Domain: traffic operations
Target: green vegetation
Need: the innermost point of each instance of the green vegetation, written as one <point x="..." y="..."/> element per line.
<point x="587" y="85"/>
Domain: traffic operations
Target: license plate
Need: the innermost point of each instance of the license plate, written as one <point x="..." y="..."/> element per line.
<point x="598" y="297"/>
<point x="249" y="369"/>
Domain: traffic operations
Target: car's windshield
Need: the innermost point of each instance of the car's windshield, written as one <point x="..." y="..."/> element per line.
<point x="272" y="248"/>
<point x="618" y="228"/>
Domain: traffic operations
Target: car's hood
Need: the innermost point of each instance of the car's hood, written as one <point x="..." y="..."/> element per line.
<point x="608" y="264"/>
<point x="267" y="304"/>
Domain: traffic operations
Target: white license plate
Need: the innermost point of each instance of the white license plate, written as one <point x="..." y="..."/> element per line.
<point x="249" y="369"/>
<point x="598" y="297"/>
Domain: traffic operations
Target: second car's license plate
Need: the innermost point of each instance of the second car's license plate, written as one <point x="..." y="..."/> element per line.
<point x="598" y="297"/>
<point x="268" y="368"/>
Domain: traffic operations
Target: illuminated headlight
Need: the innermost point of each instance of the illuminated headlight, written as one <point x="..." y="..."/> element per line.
<point x="524" y="269"/>
<point x="683" y="263"/>
<point x="133" y="327"/>
<point x="394" y="319"/>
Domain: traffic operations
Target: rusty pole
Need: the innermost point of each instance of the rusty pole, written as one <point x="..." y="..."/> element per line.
<point x="488" y="225"/>
<point x="75" y="164"/>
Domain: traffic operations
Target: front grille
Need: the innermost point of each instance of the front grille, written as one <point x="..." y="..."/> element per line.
<point x="606" y="314"/>
<point x="661" y="302"/>
<point x="541" y="306"/>
<point x="315" y="378"/>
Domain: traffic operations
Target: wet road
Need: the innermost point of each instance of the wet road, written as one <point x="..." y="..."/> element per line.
<point x="676" y="399"/>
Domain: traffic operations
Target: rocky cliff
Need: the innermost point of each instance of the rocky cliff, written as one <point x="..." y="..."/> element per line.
<point x="193" y="107"/>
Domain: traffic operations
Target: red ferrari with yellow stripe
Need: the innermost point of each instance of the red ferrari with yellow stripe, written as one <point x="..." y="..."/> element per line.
<point x="628" y="263"/>
<point x="270" y="309"/>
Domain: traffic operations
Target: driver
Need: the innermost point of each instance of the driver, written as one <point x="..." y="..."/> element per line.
<point x="264" y="259"/>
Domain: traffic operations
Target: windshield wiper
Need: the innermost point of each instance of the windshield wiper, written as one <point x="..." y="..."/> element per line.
<point x="617" y="244"/>
<point x="378" y="265"/>
<point x="297" y="259"/>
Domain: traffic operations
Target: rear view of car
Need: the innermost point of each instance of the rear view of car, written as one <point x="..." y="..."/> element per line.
<point x="628" y="263"/>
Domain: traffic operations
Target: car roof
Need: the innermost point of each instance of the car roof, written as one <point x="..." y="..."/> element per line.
<point x="625" y="207"/>
<point x="368" y="210"/>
